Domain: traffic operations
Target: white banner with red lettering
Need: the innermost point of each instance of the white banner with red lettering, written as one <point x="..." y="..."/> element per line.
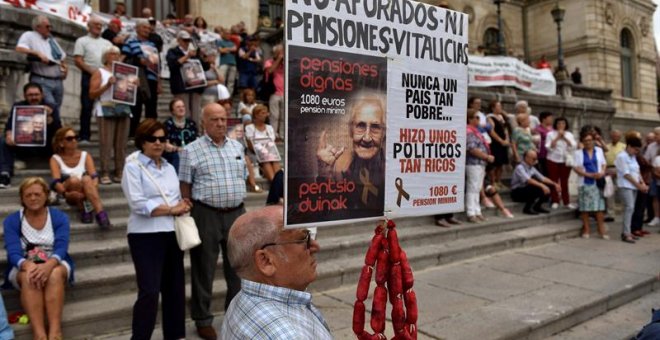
<point x="73" y="10"/>
<point x="506" y="71"/>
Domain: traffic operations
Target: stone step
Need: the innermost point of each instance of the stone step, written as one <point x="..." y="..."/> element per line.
<point x="41" y="165"/>
<point x="106" y="191"/>
<point x="105" y="314"/>
<point x="621" y="323"/>
<point x="528" y="293"/>
<point x="423" y="251"/>
<point x="117" y="209"/>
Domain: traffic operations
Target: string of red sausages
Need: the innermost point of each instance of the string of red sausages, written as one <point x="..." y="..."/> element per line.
<point x="392" y="267"/>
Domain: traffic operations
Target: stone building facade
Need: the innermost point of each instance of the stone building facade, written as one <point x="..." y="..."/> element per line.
<point x="593" y="32"/>
<point x="610" y="41"/>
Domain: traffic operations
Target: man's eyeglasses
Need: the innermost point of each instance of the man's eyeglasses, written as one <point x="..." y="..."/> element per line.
<point x="374" y="128"/>
<point x="70" y="138"/>
<point x="153" y="139"/>
<point x="309" y="237"/>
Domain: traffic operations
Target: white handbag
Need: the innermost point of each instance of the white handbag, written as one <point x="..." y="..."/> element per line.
<point x="609" y="187"/>
<point x="186" y="231"/>
<point x="187" y="235"/>
<point x="569" y="159"/>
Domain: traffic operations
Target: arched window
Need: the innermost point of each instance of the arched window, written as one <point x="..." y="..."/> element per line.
<point x="490" y="41"/>
<point x="627" y="67"/>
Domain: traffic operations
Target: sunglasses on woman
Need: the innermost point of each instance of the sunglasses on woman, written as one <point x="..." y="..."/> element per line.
<point x="70" y="138"/>
<point x="153" y="139"/>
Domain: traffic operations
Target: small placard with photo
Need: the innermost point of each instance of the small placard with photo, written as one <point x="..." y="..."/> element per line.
<point x="266" y="150"/>
<point x="29" y="125"/>
<point x="124" y="90"/>
<point x="193" y="75"/>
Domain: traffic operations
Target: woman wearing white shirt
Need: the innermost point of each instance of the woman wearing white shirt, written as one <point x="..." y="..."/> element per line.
<point x="259" y="130"/>
<point x="629" y="181"/>
<point x="560" y="144"/>
<point x="590" y="166"/>
<point x="151" y="238"/>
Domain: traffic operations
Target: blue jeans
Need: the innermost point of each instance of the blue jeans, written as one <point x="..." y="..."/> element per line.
<point x="53" y="89"/>
<point x="628" y="197"/>
<point x="6" y="332"/>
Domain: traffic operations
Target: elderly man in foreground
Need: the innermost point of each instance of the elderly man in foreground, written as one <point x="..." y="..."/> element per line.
<point x="275" y="267"/>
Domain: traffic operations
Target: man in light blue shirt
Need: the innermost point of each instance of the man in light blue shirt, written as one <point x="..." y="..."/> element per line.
<point x="528" y="185"/>
<point x="276" y="266"/>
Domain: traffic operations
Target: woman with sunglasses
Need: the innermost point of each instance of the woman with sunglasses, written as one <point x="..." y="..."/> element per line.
<point x="151" y="187"/>
<point x="75" y="177"/>
<point x="260" y="131"/>
<point x="37" y="241"/>
<point x="112" y="118"/>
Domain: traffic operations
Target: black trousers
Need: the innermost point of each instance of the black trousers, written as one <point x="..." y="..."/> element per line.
<point x="159" y="271"/>
<point x="638" y="214"/>
<point x="150" y="106"/>
<point x="531" y="195"/>
<point x="86" y="106"/>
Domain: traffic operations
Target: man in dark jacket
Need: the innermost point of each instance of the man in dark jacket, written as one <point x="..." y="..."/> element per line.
<point x="177" y="57"/>
<point x="33" y="94"/>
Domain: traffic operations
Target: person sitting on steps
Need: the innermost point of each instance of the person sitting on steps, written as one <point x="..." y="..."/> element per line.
<point x="75" y="177"/>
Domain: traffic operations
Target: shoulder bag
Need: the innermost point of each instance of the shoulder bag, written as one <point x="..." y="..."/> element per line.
<point x="185" y="228"/>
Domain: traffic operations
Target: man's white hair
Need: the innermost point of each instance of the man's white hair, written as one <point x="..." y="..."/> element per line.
<point x="37" y="20"/>
<point x="521" y="103"/>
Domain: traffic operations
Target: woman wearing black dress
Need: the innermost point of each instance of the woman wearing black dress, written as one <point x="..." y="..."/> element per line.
<point x="500" y="144"/>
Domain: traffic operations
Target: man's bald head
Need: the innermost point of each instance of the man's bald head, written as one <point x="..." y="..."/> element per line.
<point x="214" y="120"/>
<point x="249" y="233"/>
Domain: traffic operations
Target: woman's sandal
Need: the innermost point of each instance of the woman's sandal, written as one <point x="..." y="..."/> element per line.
<point x="255" y="188"/>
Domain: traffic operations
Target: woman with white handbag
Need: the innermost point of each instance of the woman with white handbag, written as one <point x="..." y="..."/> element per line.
<point x="151" y="187"/>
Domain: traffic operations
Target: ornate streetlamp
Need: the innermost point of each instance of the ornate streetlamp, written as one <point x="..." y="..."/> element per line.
<point x="558" y="16"/>
<point x="500" y="38"/>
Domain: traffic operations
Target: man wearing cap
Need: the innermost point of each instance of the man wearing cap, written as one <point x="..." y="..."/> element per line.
<point x="142" y="52"/>
<point x="47" y="60"/>
<point x="87" y="57"/>
<point x="112" y="35"/>
<point x="176" y="57"/>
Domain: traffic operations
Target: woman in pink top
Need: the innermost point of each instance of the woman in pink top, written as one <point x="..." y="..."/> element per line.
<point x="275" y="68"/>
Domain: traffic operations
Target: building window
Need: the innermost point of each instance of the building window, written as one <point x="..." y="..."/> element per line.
<point x="490" y="41"/>
<point x="272" y="8"/>
<point x="627" y="67"/>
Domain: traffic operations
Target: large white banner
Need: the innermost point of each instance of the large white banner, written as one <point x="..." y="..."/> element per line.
<point x="73" y="10"/>
<point x="376" y="96"/>
<point x="506" y="71"/>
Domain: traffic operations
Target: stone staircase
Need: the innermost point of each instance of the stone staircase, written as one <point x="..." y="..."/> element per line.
<point x="99" y="305"/>
<point x="101" y="300"/>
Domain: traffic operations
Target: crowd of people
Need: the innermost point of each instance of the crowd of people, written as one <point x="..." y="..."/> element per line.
<point x="192" y="164"/>
<point x="185" y="164"/>
<point x="232" y="61"/>
<point x="542" y="152"/>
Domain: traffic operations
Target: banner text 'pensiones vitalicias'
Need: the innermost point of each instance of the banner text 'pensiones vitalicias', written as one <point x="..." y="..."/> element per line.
<point x="332" y="31"/>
